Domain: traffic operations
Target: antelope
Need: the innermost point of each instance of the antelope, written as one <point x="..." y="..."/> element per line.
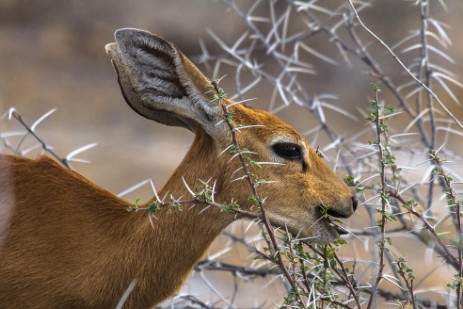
<point x="68" y="243"/>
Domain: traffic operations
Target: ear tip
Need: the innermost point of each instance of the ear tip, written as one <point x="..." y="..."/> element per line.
<point x="128" y="33"/>
<point x="128" y="39"/>
<point x="110" y="48"/>
<point x="123" y="33"/>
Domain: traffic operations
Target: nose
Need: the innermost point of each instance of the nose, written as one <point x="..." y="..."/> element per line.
<point x="342" y="213"/>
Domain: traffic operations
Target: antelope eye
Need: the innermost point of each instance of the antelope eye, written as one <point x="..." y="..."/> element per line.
<point x="288" y="151"/>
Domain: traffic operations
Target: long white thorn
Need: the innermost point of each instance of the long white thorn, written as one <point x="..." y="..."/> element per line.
<point x="241" y="152"/>
<point x="42" y="118"/>
<point x="225" y="150"/>
<point x="133" y="188"/>
<point x="70" y="156"/>
<point x="188" y="187"/>
<point x="241" y="102"/>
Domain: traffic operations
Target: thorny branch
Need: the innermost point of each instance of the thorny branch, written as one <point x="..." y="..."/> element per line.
<point x="276" y="254"/>
<point x="271" y="52"/>
<point x="42" y="143"/>
<point x="277" y="41"/>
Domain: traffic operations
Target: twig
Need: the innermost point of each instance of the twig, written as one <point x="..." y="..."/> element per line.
<point x="268" y="226"/>
<point x="42" y="143"/>
<point x="404" y="67"/>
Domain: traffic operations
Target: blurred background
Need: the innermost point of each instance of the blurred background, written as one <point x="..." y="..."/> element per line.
<point x="52" y="56"/>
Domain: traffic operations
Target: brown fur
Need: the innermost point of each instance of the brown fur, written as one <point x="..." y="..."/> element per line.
<point x="67" y="243"/>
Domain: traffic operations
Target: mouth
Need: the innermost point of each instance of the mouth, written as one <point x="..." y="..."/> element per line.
<point x="324" y="229"/>
<point x="334" y="225"/>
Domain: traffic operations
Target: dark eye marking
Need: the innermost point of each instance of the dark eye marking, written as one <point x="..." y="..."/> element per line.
<point x="288" y="151"/>
<point x="291" y="152"/>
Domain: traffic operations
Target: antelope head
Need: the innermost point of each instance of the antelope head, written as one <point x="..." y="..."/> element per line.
<point x="302" y="192"/>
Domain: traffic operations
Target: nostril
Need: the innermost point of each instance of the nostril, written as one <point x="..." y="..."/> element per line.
<point x="336" y="214"/>
<point x="354" y="203"/>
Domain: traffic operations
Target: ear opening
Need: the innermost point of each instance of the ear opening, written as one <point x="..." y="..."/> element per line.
<point x="160" y="83"/>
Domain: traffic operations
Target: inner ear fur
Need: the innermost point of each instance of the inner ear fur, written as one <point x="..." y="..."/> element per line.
<point x="160" y="83"/>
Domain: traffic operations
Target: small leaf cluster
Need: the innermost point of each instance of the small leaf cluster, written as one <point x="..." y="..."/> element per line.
<point x="205" y="192"/>
<point x="151" y="208"/>
<point x="351" y="182"/>
<point x="405" y="271"/>
<point x="456" y="283"/>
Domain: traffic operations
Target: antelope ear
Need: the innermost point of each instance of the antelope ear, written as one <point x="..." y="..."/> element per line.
<point x="160" y="83"/>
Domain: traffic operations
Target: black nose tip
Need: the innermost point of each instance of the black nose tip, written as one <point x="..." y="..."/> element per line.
<point x="344" y="212"/>
<point x="355" y="203"/>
